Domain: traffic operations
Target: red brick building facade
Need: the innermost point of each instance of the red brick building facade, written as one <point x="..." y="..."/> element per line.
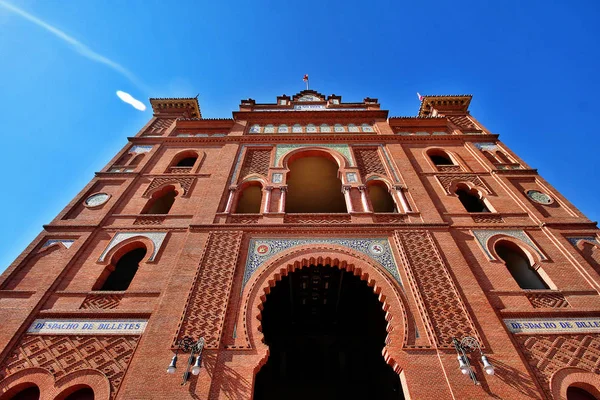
<point x="321" y="249"/>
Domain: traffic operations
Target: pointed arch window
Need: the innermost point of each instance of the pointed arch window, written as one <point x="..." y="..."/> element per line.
<point x="471" y="200"/>
<point x="161" y="201"/>
<point x="440" y="158"/>
<point x="519" y="266"/>
<point x="118" y="277"/>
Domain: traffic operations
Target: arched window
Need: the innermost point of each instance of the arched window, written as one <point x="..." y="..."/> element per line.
<point x="439" y="157"/>
<point x="30" y="393"/>
<point x="490" y="157"/>
<point x="137" y="159"/>
<point x="575" y="393"/>
<point x="314" y="185"/>
<point x="471" y="200"/>
<point x="380" y="197"/>
<point x="187" y="161"/>
<point x="120" y="276"/>
<point x="124" y="159"/>
<point x="161" y="201"/>
<point x="502" y="157"/>
<point x="249" y="199"/>
<point x="519" y="266"/>
<point x="84" y="393"/>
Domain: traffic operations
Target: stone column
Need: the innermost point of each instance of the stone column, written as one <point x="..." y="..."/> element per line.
<point x="363" y="198"/>
<point x="400" y="194"/>
<point x="267" y="199"/>
<point x="283" y="189"/>
<point x="346" y="191"/>
<point x="230" y="199"/>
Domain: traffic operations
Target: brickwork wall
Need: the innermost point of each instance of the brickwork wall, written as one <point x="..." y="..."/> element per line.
<point x="450" y="281"/>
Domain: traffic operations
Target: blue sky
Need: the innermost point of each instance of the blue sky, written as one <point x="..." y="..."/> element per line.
<point x="532" y="67"/>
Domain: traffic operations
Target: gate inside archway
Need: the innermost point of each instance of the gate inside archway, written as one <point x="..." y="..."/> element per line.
<point x="325" y="329"/>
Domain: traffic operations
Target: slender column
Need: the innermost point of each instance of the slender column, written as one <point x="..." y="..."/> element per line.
<point x="267" y="199"/>
<point x="230" y="200"/>
<point x="283" y="189"/>
<point x="346" y="190"/>
<point x="363" y="198"/>
<point x="400" y="193"/>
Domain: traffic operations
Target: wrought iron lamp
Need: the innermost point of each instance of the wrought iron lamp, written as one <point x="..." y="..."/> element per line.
<point x="188" y="345"/>
<point x="468" y="345"/>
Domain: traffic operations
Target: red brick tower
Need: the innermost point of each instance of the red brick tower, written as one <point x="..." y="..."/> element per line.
<point x="317" y="249"/>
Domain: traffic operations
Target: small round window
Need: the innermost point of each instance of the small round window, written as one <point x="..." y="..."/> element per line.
<point x="97" y="199"/>
<point x="539" y="197"/>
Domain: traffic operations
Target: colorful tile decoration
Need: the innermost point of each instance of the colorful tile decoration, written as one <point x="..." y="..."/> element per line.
<point x="156" y="237"/>
<point x="282" y="149"/>
<point x="482" y="237"/>
<point x="263" y="249"/>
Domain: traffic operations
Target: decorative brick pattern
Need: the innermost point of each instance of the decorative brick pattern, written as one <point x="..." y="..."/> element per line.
<point x="243" y="219"/>
<point x="150" y="220"/>
<point x="317" y="219"/>
<point x="159" y="126"/>
<point x="101" y="301"/>
<point x="488" y="219"/>
<point x="447" y="180"/>
<point x="546" y="354"/>
<point x="548" y="300"/>
<point x="205" y="309"/>
<point x="256" y="162"/>
<point x="64" y="354"/>
<point x="390" y="218"/>
<point x="180" y="170"/>
<point x="433" y="284"/>
<point x="186" y="184"/>
<point x="449" y="168"/>
<point x="463" y="122"/>
<point x="368" y="161"/>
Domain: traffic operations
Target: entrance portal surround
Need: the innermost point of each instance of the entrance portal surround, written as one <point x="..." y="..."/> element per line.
<point x="249" y="329"/>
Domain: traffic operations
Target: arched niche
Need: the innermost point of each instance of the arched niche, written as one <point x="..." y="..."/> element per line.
<point x="249" y="197"/>
<point x="313" y="183"/>
<point x="161" y="200"/>
<point x="380" y="196"/>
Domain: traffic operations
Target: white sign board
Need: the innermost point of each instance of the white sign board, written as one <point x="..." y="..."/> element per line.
<point x="553" y="325"/>
<point x="88" y="327"/>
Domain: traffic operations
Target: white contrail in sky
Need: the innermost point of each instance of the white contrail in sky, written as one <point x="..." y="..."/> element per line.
<point x="129" y="99"/>
<point x="77" y="45"/>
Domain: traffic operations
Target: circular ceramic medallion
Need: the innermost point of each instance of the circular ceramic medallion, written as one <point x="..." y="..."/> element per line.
<point x="376" y="248"/>
<point x="97" y="199"/>
<point x="539" y="197"/>
<point x="263" y="249"/>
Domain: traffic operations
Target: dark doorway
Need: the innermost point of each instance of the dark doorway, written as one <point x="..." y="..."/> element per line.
<point x="325" y="329"/>
<point x="575" y="393"/>
<point x="31" y="393"/>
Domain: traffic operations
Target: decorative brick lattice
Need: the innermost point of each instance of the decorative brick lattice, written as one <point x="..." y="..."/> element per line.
<point x="316" y="219"/>
<point x="149" y="220"/>
<point x="368" y="161"/>
<point x="488" y="219"/>
<point x="439" y="297"/>
<point x="390" y="218"/>
<point x="205" y="309"/>
<point x="449" y="168"/>
<point x="159" y="126"/>
<point x="447" y="180"/>
<point x="256" y="162"/>
<point x="186" y="184"/>
<point x="546" y="354"/>
<point x="180" y="170"/>
<point x="463" y="122"/>
<point x="243" y="219"/>
<point x="64" y="354"/>
<point x="101" y="301"/>
<point x="548" y="300"/>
